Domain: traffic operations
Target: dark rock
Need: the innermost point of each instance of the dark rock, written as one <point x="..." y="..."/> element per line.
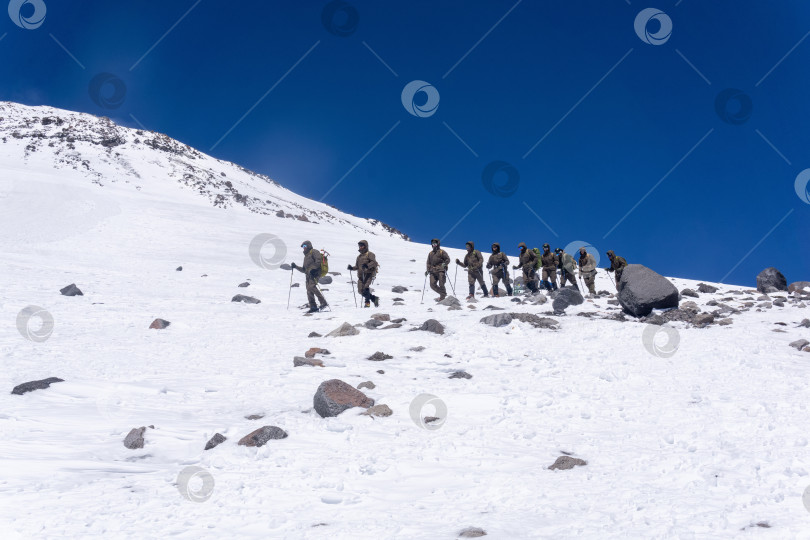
<point x="325" y="280"/>
<point x="472" y="532"/>
<point x="779" y="303"/>
<point x="299" y="361"/>
<point x="564" y="463"/>
<point x="398" y="300"/>
<point x="215" y="441"/>
<point x="690" y="293"/>
<point x="295" y="285"/>
<point x="390" y="326"/>
<point x="450" y="301"/>
<point x="254" y="417"/>
<point x="30" y="386"/>
<point x="771" y="280"/>
<point x="703" y="319"/>
<point x="800" y="344"/>
<point x="724" y="322"/>
<point x="372" y="323"/>
<point x="179" y="269"/>
<point x="690" y="306"/>
<point x="381" y="372"/>
<point x="159" y="324"/>
<point x="335" y="396"/>
<point x="367" y="384"/>
<point x="245" y="299"/>
<point x="399" y="289"/>
<point x="432" y="325"/>
<point x="344" y="329"/>
<point x="244" y="284"/>
<point x="383" y="317"/>
<point x="379" y="356"/>
<point x="314" y="334"/>
<point x="641" y="290"/>
<point x="460" y="375"/>
<point x="71" y="290"/>
<point x="493" y="308"/>
<point x="805" y="323"/>
<point x="503" y="319"/>
<point x="134" y="439"/>
<point x="417" y="349"/>
<point x="572" y="296"/>
<point x="704" y="288"/>
<point x="799" y="286"/>
<point x="261" y="436"/>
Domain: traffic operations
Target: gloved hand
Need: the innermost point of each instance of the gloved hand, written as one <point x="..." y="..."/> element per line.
<point x="458" y="262"/>
<point x="349" y="267"/>
<point x="489" y="265"/>
<point x="293" y="265"/>
<point x="427" y="272"/>
<point x="364" y="267"/>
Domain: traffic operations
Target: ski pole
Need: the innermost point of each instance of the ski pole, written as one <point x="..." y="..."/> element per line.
<point x="289" y="289"/>
<point x="351" y="277"/>
<point x="454" y="280"/>
<point x="611" y="279"/>
<point x="423" y="289"/>
<point x="451" y="285"/>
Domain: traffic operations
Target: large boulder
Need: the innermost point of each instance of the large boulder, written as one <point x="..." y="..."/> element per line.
<point x="641" y="290"/>
<point x="335" y="396"/>
<point x="564" y="297"/>
<point x="771" y="280"/>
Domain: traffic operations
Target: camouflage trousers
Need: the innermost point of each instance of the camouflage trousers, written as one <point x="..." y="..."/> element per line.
<point x="590" y="281"/>
<point x="476" y="275"/>
<point x="313" y="292"/>
<point x="437" y="283"/>
<point x="497" y="276"/>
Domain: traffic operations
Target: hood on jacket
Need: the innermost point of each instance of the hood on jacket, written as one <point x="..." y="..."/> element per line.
<point x="436" y="241"/>
<point x="471" y="244"/>
<point x="522" y="245"/>
<point x="363" y="243"/>
<point x="307" y="245"/>
<point x="496" y="247"/>
<point x="610" y="254"/>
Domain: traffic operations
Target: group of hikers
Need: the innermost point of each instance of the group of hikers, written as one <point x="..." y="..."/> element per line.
<point x="438" y="263"/>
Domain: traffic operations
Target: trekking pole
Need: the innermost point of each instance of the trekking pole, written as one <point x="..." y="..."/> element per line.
<point x="424" y="285"/>
<point x="289" y="289"/>
<point x="454" y="280"/>
<point x="611" y="278"/>
<point x="351" y="277"/>
<point x="451" y="285"/>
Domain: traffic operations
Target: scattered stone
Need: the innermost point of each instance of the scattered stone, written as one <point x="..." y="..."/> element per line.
<point x="613" y="302"/>
<point x="703" y="319"/>
<point x="244" y="284"/>
<point x="71" y="290"/>
<point x="432" y="325"/>
<point x="254" y="417"/>
<point x="325" y="280"/>
<point x="399" y="289"/>
<point x="771" y="280"/>
<point x="417" y="349"/>
<point x="245" y="299"/>
<point x="299" y="361"/>
<point x="399" y="303"/>
<point x="381" y="372"/>
<point x="134" y="439"/>
<point x="382" y="317"/>
<point x="539" y="299"/>
<point x="368" y="384"/>
<point x="159" y="324"/>
<point x="295" y="285"/>
<point x="379" y="357"/>
<point x="335" y="396"/>
<point x="314" y="334"/>
<point x="472" y="532"/>
<point x="779" y="303"/>
<point x="800" y="344"/>
<point x="215" y="441"/>
<point x="344" y="329"/>
<point x="493" y="308"/>
<point x="372" y="324"/>
<point x="800" y="286"/>
<point x="429" y="419"/>
<point x="316" y="350"/>
<point x="390" y="326"/>
<point x="641" y="290"/>
<point x="379" y="410"/>
<point x="30" y="386"/>
<point x="449" y="301"/>
<point x="179" y="269"/>
<point x="805" y="323"/>
<point x="690" y="293"/>
<point x="690" y="306"/>
<point x="704" y="288"/>
<point x="460" y="375"/>
<point x="725" y="322"/>
<point x="503" y="319"/>
<point x="261" y="436"/>
<point x="564" y="463"/>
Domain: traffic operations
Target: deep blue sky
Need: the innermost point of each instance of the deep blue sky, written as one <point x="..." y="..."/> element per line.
<point x="519" y="84"/>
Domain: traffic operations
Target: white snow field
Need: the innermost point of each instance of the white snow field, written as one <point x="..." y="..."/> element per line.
<point x="709" y="442"/>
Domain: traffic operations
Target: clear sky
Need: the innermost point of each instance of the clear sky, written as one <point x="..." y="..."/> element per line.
<point x="672" y="133"/>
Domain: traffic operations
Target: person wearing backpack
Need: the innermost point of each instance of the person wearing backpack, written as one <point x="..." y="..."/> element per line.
<point x="587" y="269"/>
<point x="313" y="261"/>
<point x="474" y="262"/>
<point x="366" y="266"/>
<point x="528" y="262"/>
<point x="499" y="263"/>
<point x="567" y="268"/>
<point x="617" y="264"/>
<point x="549" y="261"/>
<point x="437" y="262"/>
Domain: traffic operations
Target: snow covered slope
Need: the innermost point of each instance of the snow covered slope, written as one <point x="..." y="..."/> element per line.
<point x="705" y="438"/>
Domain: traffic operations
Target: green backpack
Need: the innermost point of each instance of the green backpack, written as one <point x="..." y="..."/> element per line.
<point x="324" y="262"/>
<point x="539" y="262"/>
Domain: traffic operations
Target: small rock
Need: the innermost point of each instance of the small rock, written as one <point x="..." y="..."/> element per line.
<point x="432" y="325"/>
<point x="314" y="334"/>
<point x="254" y="417"/>
<point x="800" y="344"/>
<point x="215" y="441"/>
<point x="244" y="284"/>
<point x="159" y="324"/>
<point x="335" y="396"/>
<point x="325" y="280"/>
<point x="379" y="410"/>
<point x="417" y="349"/>
<point x="379" y="357"/>
<point x="245" y="299"/>
<point x="179" y="269"/>
<point x="381" y="372"/>
<point x="564" y="463"/>
<point x="368" y="384"/>
<point x="725" y="322"/>
<point x="261" y="436"/>
<point x="703" y="319"/>
<point x="689" y="306"/>
<point x="690" y="293"/>
<point x="299" y="361"/>
<point x="493" y="308"/>
<point x="805" y="323"/>
<point x="390" y="326"/>
<point x="30" y="386"/>
<point x="704" y="288"/>
<point x="399" y="289"/>
<point x="770" y="280"/>
<point x="134" y="439"/>
<point x="450" y="301"/>
<point x="315" y="350"/>
<point x="372" y="324"/>
<point x="460" y="375"/>
<point x="472" y="532"/>
<point x="344" y="329"/>
<point x="71" y="290"/>
<point x="382" y="317"/>
<point x="295" y="285"/>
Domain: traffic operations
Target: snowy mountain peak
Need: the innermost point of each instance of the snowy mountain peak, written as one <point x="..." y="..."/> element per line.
<point x="104" y="153"/>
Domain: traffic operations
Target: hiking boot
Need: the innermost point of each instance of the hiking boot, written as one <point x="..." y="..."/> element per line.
<point x="367" y="304"/>
<point x="376" y="300"/>
<point x="313" y="309"/>
<point x="323" y="307"/>
<point x="470" y="297"/>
